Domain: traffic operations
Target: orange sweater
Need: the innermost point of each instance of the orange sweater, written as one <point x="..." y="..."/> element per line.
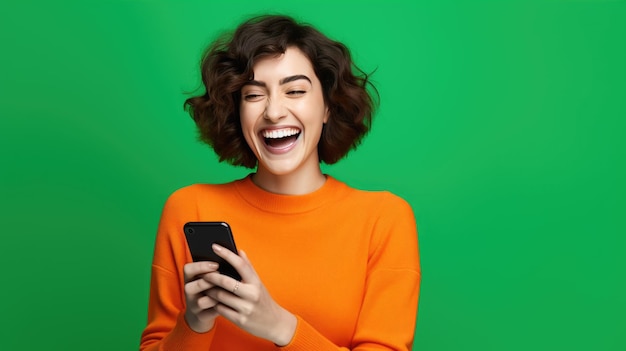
<point x="344" y="261"/>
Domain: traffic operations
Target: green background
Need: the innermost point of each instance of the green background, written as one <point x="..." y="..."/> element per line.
<point x="502" y="123"/>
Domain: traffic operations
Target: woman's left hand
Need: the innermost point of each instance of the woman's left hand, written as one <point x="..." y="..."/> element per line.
<point x="248" y="304"/>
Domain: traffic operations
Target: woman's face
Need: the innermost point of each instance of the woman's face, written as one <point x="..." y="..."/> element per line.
<point x="282" y="114"/>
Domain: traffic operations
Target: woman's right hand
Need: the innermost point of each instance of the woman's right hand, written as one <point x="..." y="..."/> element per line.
<point x="200" y="312"/>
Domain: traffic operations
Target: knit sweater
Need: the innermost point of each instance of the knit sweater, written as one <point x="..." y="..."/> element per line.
<point x="343" y="261"/>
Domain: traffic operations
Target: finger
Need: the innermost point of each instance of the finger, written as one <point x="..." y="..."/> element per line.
<point x="244" y="268"/>
<point x="201" y="303"/>
<point x="229" y="299"/>
<point x="229" y="313"/>
<point x="192" y="270"/>
<point x="253" y="276"/>
<point x="206" y="302"/>
<point x="222" y="281"/>
<point x="210" y="313"/>
<point x="245" y="258"/>
<point x="197" y="286"/>
<point x="231" y="286"/>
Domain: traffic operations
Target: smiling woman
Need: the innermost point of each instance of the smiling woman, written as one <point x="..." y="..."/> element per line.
<point x="282" y="117"/>
<point x="326" y="266"/>
<point x="229" y="65"/>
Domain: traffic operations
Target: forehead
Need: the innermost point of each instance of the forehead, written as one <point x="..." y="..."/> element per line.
<point x="292" y="62"/>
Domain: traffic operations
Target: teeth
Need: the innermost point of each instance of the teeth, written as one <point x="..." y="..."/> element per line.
<point x="280" y="133"/>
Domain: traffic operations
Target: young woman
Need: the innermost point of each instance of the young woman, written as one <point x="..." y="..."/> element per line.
<point x="323" y="266"/>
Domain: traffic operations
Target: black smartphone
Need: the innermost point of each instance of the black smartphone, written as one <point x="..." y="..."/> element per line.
<point x="200" y="238"/>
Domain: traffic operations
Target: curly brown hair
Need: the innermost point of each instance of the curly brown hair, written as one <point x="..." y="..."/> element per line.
<point x="227" y="65"/>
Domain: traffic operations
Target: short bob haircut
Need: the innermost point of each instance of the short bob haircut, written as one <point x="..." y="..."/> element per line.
<point x="228" y="64"/>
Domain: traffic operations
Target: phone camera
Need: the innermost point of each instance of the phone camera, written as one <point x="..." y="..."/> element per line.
<point x="190" y="231"/>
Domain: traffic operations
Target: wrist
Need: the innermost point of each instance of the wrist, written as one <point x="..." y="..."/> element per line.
<point x="195" y="324"/>
<point x="286" y="330"/>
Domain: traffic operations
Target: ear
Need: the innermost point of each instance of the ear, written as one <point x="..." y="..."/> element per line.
<point x="326" y="115"/>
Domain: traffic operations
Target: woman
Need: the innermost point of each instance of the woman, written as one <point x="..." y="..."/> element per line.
<point x="323" y="266"/>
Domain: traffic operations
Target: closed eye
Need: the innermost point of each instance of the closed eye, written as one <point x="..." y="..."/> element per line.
<point x="252" y="97"/>
<point x="296" y="92"/>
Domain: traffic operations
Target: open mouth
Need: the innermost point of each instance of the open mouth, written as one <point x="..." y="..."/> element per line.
<point x="280" y="138"/>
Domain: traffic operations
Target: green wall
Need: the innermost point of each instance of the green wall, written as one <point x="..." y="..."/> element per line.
<point x="502" y="123"/>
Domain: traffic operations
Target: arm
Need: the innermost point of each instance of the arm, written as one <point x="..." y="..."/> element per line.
<point x="393" y="284"/>
<point x="167" y="327"/>
<point x="389" y="308"/>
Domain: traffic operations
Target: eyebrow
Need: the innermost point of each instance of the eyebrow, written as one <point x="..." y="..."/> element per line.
<point x="281" y="82"/>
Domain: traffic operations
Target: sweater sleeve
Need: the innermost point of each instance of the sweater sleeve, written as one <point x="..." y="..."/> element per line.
<point x="166" y="328"/>
<point x="389" y="308"/>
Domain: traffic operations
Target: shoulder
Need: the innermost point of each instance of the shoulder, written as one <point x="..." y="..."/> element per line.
<point x="191" y="196"/>
<point x="392" y="209"/>
<point x="195" y="190"/>
<point x="380" y="200"/>
<point x="391" y="227"/>
<point x="380" y="208"/>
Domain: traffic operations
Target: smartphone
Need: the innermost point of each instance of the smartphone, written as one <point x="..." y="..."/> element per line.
<point x="200" y="238"/>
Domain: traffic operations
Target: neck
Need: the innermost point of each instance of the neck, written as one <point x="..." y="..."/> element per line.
<point x="296" y="183"/>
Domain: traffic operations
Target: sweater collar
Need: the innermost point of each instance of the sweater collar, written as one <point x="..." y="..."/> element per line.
<point x="289" y="204"/>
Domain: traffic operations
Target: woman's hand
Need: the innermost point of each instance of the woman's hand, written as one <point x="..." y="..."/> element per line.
<point x="247" y="303"/>
<point x="200" y="312"/>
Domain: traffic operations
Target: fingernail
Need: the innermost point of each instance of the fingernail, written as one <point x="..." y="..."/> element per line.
<point x="213" y="265"/>
<point x="216" y="247"/>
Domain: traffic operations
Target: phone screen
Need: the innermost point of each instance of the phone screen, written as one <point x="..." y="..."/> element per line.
<point x="200" y="238"/>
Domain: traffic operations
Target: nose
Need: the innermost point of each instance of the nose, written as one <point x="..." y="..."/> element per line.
<point x="274" y="110"/>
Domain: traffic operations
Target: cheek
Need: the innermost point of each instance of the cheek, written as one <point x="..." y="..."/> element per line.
<point x="246" y="119"/>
